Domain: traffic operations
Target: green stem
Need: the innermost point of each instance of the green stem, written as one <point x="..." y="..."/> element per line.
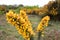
<point x="31" y="37"/>
<point x="39" y="35"/>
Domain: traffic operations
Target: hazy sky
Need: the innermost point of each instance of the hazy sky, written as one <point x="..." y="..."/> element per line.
<point x="24" y="2"/>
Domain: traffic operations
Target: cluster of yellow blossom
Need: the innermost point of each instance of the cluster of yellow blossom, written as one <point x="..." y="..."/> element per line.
<point x="34" y="11"/>
<point x="53" y="11"/>
<point x="23" y="25"/>
<point x="21" y="22"/>
<point x="44" y="22"/>
<point x="42" y="25"/>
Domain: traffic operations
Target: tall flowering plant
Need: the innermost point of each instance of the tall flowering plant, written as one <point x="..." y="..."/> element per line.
<point x="23" y="25"/>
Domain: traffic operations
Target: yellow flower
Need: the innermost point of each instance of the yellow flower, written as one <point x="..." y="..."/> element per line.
<point x="10" y="13"/>
<point x="23" y="25"/>
<point x="22" y="13"/>
<point x="15" y="15"/>
<point x="44" y="22"/>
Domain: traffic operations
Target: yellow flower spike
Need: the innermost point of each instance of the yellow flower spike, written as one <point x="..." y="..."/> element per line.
<point x="44" y="22"/>
<point x="23" y="19"/>
<point x="23" y="14"/>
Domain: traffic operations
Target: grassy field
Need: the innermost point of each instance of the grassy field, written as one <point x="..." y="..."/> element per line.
<point x="9" y="32"/>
